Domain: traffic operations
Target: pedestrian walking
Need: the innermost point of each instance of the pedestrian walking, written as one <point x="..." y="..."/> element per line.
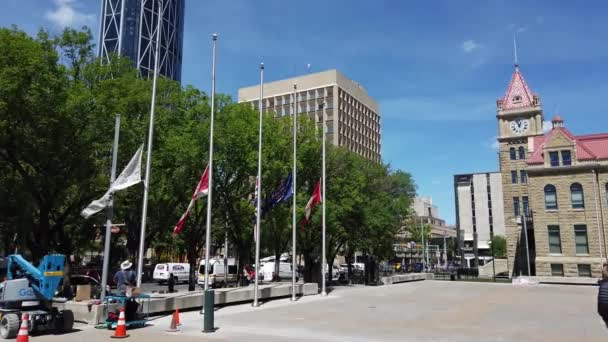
<point x="171" y="283"/>
<point x="125" y="278"/>
<point x="602" y="297"/>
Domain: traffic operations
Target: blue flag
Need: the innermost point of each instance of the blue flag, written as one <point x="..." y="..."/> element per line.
<point x="281" y="194"/>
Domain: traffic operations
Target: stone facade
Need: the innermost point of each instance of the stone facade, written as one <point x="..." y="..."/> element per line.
<point x="555" y="186"/>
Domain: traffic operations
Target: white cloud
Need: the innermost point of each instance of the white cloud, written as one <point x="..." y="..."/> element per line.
<point x="522" y="29"/>
<point x="66" y="13"/>
<point x="547" y="125"/>
<point x="492" y="143"/>
<point x="469" y="45"/>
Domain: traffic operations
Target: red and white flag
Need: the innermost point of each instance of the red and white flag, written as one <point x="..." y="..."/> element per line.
<point x="315" y="199"/>
<point x="201" y="190"/>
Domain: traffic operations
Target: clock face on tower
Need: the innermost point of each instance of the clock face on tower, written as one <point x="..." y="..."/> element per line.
<point x="519" y="126"/>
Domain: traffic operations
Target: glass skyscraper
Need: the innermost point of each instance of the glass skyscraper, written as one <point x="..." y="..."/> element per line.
<point x="129" y="28"/>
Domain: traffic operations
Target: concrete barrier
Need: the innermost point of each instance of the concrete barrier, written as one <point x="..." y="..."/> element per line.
<point x="402" y="278"/>
<point x="159" y="303"/>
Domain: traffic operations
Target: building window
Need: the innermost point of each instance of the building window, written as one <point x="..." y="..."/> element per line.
<point x="554" y="158"/>
<point x="584" y="270"/>
<point x="550" y="197"/>
<point x="522" y="152"/>
<point x="523" y="176"/>
<point x="557" y="270"/>
<point x="512" y="153"/>
<point x="566" y="158"/>
<point x="524" y="202"/>
<point x="576" y="193"/>
<point x="516" y="206"/>
<point x="555" y="242"/>
<point x="580" y="238"/>
<point x="513" y="177"/>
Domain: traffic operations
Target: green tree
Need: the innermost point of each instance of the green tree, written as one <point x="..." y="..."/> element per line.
<point x="499" y="244"/>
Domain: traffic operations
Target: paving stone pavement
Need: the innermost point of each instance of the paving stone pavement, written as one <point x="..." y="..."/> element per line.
<point x="420" y="311"/>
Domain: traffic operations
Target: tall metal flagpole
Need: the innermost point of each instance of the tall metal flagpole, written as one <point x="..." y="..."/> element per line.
<point x="323" y="198"/>
<point x="106" y="246"/>
<point x="210" y="194"/>
<point x="142" y="236"/>
<point x="293" y="178"/>
<point x="259" y="199"/>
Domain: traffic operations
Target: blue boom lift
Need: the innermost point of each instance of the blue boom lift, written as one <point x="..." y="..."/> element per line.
<point x="31" y="290"/>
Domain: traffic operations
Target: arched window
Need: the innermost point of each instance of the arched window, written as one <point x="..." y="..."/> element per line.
<point x="576" y="194"/>
<point x="522" y="152"/>
<point x="550" y="197"/>
<point x="512" y="153"/>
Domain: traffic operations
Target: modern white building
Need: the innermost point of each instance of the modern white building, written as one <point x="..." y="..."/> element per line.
<point x="352" y="115"/>
<point x="479" y="214"/>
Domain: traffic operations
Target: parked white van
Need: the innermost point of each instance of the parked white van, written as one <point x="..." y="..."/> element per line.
<point x="217" y="272"/>
<point x="267" y="271"/>
<point x="180" y="271"/>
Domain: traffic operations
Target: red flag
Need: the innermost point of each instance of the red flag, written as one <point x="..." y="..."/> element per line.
<point x="315" y="199"/>
<point x="201" y="190"/>
<point x="182" y="220"/>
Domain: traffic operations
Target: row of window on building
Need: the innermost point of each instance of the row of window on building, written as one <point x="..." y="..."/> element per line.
<point x="577" y="199"/>
<point x="515" y="153"/>
<point x="580" y="239"/>
<point x="554" y="156"/>
<point x="521" y="177"/>
<point x="584" y="270"/>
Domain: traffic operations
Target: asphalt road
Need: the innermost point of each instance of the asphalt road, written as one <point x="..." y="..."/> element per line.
<point x="417" y="311"/>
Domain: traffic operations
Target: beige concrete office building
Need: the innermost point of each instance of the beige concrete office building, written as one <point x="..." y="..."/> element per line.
<point x="352" y="116"/>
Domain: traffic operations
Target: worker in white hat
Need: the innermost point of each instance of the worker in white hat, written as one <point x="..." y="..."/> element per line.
<point x="125" y="278"/>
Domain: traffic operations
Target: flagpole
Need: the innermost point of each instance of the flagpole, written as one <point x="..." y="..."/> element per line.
<point x="210" y="191"/>
<point x="142" y="236"/>
<point x="258" y="212"/>
<point x="293" y="178"/>
<point x="106" y="245"/>
<point x="323" y="200"/>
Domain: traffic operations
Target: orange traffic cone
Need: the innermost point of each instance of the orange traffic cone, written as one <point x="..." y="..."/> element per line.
<point x="173" y="326"/>
<point x="23" y="333"/>
<point x="177" y="317"/>
<point x="121" y="327"/>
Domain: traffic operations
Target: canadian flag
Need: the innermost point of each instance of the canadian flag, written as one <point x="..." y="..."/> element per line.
<point x="315" y="199"/>
<point x="201" y="190"/>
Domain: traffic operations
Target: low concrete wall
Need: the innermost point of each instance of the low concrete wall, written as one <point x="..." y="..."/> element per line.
<point x="94" y="314"/>
<point x="487" y="270"/>
<point x="565" y="280"/>
<point x="402" y="278"/>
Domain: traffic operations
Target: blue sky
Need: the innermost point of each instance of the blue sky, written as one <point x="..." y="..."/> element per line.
<point x="436" y="67"/>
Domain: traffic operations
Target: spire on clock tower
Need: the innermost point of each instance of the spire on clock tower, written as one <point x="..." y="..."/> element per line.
<point x="518" y="94"/>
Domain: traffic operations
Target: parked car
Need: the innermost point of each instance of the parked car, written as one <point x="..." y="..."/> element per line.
<point x="217" y="272"/>
<point x="78" y="279"/>
<point x="267" y="271"/>
<point x="181" y="272"/>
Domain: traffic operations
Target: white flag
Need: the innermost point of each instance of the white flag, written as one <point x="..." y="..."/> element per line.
<point x="131" y="175"/>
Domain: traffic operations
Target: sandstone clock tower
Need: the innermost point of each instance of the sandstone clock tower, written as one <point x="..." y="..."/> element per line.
<point x="520" y="120"/>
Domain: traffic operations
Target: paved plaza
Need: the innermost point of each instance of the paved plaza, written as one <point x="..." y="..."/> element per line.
<point x="419" y="311"/>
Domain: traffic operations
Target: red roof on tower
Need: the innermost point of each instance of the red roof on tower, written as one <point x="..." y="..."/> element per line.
<point x="518" y="93"/>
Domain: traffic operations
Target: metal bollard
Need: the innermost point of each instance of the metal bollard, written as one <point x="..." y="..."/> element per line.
<point x="208" y="306"/>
